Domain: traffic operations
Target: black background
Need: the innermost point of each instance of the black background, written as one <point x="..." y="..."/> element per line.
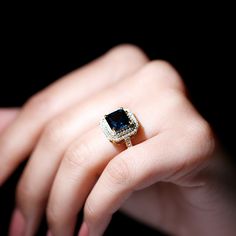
<point x="39" y="46"/>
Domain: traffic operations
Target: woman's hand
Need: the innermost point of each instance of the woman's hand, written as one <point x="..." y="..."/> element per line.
<point x="72" y="164"/>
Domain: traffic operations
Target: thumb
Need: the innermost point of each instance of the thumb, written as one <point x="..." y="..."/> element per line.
<point x="7" y="115"/>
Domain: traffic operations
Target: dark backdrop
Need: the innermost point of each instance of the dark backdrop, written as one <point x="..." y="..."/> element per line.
<point x="35" y="52"/>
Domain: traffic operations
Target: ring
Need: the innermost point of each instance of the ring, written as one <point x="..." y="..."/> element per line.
<point x="119" y="126"/>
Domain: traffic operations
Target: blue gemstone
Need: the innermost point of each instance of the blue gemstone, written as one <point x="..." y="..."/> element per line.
<point x="118" y="120"/>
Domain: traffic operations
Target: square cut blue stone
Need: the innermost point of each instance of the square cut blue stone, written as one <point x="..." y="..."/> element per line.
<point x="118" y="120"/>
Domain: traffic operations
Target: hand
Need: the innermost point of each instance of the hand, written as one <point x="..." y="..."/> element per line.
<point x="72" y="163"/>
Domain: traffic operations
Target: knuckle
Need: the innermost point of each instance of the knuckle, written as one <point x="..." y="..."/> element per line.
<point x="203" y="137"/>
<point x="160" y="67"/>
<point x="205" y="134"/>
<point x="118" y="172"/>
<point x="53" y="132"/>
<point x="128" y="53"/>
<point x="78" y="154"/>
<point x="40" y="103"/>
<point x="173" y="98"/>
<point x="163" y="72"/>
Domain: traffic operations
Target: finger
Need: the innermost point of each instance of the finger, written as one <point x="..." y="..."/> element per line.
<point x="19" y="139"/>
<point x="166" y="157"/>
<point x="62" y="131"/>
<point x="7" y="115"/>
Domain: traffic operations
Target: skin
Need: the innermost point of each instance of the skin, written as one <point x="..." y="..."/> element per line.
<point x="173" y="178"/>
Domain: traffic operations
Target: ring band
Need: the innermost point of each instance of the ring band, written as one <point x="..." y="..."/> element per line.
<point x="119" y="126"/>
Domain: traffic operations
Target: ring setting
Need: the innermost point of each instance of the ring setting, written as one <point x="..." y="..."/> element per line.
<point x="119" y="126"/>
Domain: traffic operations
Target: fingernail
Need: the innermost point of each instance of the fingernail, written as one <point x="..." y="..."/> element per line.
<point x="17" y="226"/>
<point x="49" y="233"/>
<point x="84" y="230"/>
